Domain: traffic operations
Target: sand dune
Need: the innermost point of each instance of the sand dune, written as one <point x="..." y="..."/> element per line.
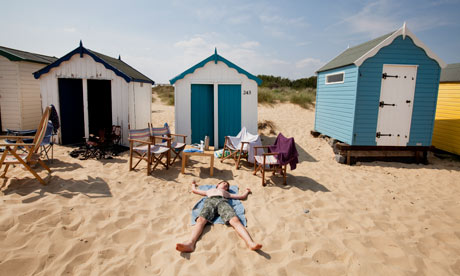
<point x="97" y="218"/>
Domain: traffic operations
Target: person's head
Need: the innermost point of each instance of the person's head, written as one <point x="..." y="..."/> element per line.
<point x="223" y="185"/>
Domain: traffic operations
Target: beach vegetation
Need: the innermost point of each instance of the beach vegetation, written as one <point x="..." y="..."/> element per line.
<point x="279" y="90"/>
<point x="165" y="92"/>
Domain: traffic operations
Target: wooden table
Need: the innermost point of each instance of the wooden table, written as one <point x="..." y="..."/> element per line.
<point x="209" y="153"/>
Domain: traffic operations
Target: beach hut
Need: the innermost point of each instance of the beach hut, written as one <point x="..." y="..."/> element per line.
<point x="446" y="134"/>
<point x="380" y="93"/>
<point x="215" y="98"/>
<point x="20" y="107"/>
<point x="92" y="91"/>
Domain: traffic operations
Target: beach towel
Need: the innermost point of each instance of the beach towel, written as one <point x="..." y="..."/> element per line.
<point x="235" y="203"/>
<point x="287" y="151"/>
<point x="245" y="136"/>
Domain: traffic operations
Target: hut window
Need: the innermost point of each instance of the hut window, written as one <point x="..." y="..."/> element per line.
<point x="335" y="78"/>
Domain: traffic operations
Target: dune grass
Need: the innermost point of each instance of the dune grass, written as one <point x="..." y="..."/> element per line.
<point x="165" y="93"/>
<point x="303" y="97"/>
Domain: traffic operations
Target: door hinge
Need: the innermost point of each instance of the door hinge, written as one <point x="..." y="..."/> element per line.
<point x="385" y="75"/>
<point x="378" y="134"/>
<point x="382" y="104"/>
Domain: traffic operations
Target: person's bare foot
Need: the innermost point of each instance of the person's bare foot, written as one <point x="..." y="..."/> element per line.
<point x="255" y="246"/>
<point x="185" y="247"/>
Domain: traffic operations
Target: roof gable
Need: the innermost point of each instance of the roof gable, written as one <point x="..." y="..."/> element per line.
<point x="18" y="55"/>
<point x="215" y="57"/>
<point x="451" y="73"/>
<point x="358" y="54"/>
<point x="119" y="67"/>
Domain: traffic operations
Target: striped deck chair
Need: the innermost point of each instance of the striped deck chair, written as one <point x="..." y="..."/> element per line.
<point x="142" y="146"/>
<point x="176" y="146"/>
<point x="31" y="156"/>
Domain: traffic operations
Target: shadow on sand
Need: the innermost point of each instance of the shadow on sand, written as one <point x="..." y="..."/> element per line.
<point x="91" y="187"/>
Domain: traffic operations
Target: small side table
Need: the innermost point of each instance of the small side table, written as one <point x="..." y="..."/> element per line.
<point x="209" y="153"/>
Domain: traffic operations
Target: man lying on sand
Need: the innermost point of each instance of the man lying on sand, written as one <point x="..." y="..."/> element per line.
<point x="217" y="204"/>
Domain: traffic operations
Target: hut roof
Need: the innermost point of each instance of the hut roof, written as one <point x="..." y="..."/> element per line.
<point x="18" y="55"/>
<point x="358" y="54"/>
<point x="119" y="67"/>
<point x="215" y="57"/>
<point x="451" y="73"/>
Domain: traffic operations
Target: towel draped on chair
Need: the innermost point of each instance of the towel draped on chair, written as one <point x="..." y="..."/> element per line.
<point x="287" y="151"/>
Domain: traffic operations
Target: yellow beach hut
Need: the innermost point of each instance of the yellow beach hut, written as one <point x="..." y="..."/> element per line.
<point x="446" y="134"/>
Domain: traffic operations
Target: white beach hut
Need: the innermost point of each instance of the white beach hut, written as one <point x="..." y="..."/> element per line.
<point x="20" y="107"/>
<point x="215" y="98"/>
<point x="92" y="91"/>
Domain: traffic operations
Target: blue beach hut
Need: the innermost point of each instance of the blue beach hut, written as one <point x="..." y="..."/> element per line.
<point x="215" y="98"/>
<point x="380" y="93"/>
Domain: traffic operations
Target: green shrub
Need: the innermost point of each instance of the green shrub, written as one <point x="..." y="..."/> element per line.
<point x="304" y="97"/>
<point x="165" y="93"/>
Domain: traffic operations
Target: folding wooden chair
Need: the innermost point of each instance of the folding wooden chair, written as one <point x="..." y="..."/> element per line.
<point x="47" y="144"/>
<point x="268" y="162"/>
<point x="142" y="147"/>
<point x="176" y="146"/>
<point x="31" y="156"/>
<point x="239" y="146"/>
<point x="283" y="152"/>
<point x="231" y="151"/>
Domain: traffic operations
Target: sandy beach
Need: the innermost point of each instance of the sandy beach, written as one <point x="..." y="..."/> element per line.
<point x="97" y="218"/>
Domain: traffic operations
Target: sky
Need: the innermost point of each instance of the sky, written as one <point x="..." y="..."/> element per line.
<point x="161" y="39"/>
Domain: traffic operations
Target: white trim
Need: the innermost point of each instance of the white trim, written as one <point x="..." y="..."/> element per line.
<point x="404" y="31"/>
<point x="336" y="82"/>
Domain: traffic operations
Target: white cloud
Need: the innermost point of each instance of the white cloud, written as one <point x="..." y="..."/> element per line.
<point x="193" y="42"/>
<point x="309" y="62"/>
<point x="250" y="44"/>
<point x="374" y="19"/>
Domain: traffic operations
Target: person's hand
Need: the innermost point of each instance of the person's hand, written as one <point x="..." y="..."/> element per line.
<point x="193" y="184"/>
<point x="248" y="191"/>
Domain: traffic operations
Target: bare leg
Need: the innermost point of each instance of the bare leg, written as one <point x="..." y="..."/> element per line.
<point x="241" y="230"/>
<point x="189" y="246"/>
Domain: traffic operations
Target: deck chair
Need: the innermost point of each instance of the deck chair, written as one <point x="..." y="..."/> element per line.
<point x="95" y="146"/>
<point x="176" y="146"/>
<point x="31" y="156"/>
<point x="279" y="155"/>
<point x="142" y="147"/>
<point x="46" y="145"/>
<point x="240" y="146"/>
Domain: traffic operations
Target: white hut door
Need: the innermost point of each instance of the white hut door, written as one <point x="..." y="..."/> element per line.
<point x="395" y="105"/>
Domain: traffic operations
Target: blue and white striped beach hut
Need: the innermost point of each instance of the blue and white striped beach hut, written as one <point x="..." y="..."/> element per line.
<point x="380" y="93"/>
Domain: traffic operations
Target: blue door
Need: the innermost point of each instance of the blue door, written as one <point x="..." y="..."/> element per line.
<point x="202" y="112"/>
<point x="229" y="105"/>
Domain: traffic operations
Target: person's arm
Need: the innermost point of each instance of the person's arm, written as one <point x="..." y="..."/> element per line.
<point x="195" y="189"/>
<point x="242" y="196"/>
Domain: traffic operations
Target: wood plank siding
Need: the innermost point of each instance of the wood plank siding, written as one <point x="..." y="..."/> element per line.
<point x="400" y="51"/>
<point x="446" y="134"/>
<point x="335" y="104"/>
<point x="9" y="94"/>
<point x="30" y="108"/>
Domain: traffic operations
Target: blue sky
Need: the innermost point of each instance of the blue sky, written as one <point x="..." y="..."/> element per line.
<point x="283" y="38"/>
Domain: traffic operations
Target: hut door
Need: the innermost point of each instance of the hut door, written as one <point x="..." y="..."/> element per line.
<point x="395" y="106"/>
<point x="99" y="106"/>
<point x="202" y="112"/>
<point x="229" y="106"/>
<point x="71" y="111"/>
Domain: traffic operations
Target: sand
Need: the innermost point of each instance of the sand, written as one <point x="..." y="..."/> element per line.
<point x="97" y="218"/>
